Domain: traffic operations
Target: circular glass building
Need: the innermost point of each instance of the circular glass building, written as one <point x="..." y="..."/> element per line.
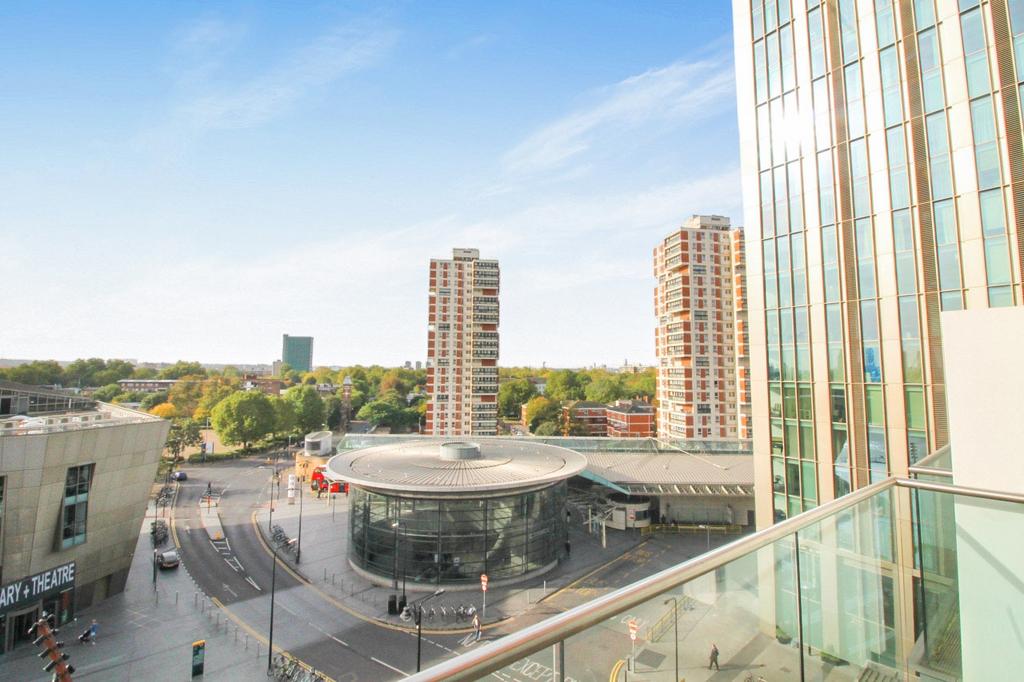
<point x="433" y="512"/>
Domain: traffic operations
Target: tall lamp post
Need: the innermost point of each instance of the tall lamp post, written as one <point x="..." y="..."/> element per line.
<point x="415" y="610"/>
<point x="394" y="570"/>
<point x="675" y="627"/>
<point x="273" y="586"/>
<point x="298" y="543"/>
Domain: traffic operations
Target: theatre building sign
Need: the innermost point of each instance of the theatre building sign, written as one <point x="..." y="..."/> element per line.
<point x="22" y="601"/>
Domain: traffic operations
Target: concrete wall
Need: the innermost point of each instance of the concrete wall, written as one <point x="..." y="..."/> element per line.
<point x="35" y="468"/>
<point x="691" y="509"/>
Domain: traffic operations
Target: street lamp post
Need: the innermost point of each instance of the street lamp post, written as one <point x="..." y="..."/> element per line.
<point x="298" y="542"/>
<point x="415" y="609"/>
<point x="675" y="627"/>
<point x="707" y="529"/>
<point x="273" y="586"/>
<point x="394" y="570"/>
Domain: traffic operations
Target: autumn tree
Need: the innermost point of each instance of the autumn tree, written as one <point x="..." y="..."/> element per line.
<point x="186" y="393"/>
<point x="164" y="410"/>
<point x="541" y="409"/>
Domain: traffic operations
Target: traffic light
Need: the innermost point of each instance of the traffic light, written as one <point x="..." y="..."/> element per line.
<point x="45" y="636"/>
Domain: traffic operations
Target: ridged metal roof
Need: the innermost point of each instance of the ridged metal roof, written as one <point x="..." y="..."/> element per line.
<point x="417" y="466"/>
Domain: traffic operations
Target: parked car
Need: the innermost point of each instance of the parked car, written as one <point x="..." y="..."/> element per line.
<point x="168" y="559"/>
<point x="179" y="476"/>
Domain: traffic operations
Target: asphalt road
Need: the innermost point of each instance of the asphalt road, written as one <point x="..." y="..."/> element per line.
<point x="238" y="573"/>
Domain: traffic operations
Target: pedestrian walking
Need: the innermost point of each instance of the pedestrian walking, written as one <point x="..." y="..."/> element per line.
<point x="713" y="659"/>
<point x="476" y="626"/>
<point x="94" y="630"/>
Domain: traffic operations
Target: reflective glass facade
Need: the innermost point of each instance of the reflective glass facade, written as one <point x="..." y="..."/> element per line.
<point x="453" y="540"/>
<point x="879" y="141"/>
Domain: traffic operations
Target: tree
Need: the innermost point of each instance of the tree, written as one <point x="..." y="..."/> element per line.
<point x="541" y="409"/>
<point x="378" y="413"/>
<point x="604" y="389"/>
<point x="244" y="417"/>
<point x="144" y="373"/>
<point x="512" y="395"/>
<point x="164" y="410"/>
<point x="107" y="393"/>
<point x="332" y="412"/>
<point x="308" y="406"/>
<point x="284" y="415"/>
<point x="642" y="384"/>
<point x="213" y="391"/>
<point x="130" y="397"/>
<point x="565" y="384"/>
<point x="152" y="400"/>
<point x="548" y="428"/>
<point x="283" y="370"/>
<point x="184" y="433"/>
<point x="35" y="373"/>
<point x="182" y="369"/>
<point x="186" y="393"/>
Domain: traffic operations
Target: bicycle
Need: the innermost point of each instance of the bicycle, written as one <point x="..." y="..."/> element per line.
<point x="750" y="678"/>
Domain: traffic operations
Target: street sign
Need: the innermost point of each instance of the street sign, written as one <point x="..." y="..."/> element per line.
<point x="634" y="627"/>
<point x="198" y="657"/>
<point x="483" y="582"/>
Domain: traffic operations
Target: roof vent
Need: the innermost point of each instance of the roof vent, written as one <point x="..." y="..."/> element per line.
<point x="458" y="450"/>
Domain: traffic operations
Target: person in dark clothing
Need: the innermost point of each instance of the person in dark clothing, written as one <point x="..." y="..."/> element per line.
<point x="713" y="658"/>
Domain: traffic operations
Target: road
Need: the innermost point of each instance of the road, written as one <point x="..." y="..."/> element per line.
<point x="237" y="572"/>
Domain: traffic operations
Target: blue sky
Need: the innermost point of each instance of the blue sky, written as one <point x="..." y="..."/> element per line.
<point x="191" y="180"/>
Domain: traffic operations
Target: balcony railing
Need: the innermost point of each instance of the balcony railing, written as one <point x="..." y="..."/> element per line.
<point x="903" y="579"/>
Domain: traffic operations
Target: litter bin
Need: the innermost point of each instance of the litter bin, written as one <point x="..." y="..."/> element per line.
<point x="392" y="605"/>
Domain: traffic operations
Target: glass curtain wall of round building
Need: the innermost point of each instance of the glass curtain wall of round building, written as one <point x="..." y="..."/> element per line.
<point x="431" y="512"/>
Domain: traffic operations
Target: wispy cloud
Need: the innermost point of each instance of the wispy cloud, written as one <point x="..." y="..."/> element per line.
<point x="470" y="44"/>
<point x="338" y="52"/>
<point x="674" y="94"/>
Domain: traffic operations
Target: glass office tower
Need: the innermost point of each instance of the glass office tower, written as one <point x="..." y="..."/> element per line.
<point x="882" y="165"/>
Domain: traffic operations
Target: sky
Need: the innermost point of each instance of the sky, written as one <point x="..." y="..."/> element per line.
<point x="192" y="180"/>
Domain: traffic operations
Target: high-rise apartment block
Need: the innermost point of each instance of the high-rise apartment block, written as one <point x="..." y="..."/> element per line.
<point x="881" y="159"/>
<point x="297" y="351"/>
<point x="701" y="337"/>
<point x="462" y="346"/>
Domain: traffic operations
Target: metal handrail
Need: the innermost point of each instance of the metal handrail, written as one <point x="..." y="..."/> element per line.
<point x="513" y="647"/>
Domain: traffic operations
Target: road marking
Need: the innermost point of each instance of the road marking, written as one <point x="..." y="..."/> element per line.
<point x="338" y="640"/>
<point x="253" y="583"/>
<point x="228" y="589"/>
<point x="235" y="564"/>
<point x="391" y="667"/>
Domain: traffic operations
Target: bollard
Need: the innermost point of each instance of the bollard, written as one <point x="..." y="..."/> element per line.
<point x="545" y="592"/>
<point x="257" y="649"/>
<point x="236" y="634"/>
<point x="332" y="580"/>
<point x="325" y="576"/>
<point x="175" y="597"/>
<point x="247" y="641"/>
<point x="157" y="597"/>
<point x="195" y="599"/>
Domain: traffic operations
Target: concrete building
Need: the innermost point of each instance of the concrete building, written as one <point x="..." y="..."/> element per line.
<point x="879" y="158"/>
<point x="75" y="477"/>
<point x="701" y="337"/>
<point x="462" y="345"/>
<point x="146" y="385"/>
<point x="297" y="351"/>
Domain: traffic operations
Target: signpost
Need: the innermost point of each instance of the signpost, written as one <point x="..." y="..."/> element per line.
<point x="483" y="586"/>
<point x="634" y="627"/>
<point x="198" y="657"/>
<point x="33" y="588"/>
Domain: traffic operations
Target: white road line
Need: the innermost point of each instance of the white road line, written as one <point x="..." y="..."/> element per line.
<point x="227" y="544"/>
<point x="338" y="640"/>
<point x="391" y="667"/>
<point x="228" y="589"/>
<point x="253" y="583"/>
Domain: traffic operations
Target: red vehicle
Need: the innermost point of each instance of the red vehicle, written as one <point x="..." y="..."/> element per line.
<point x="319" y="483"/>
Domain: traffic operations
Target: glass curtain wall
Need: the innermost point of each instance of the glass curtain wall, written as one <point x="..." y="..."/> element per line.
<point x="433" y="540"/>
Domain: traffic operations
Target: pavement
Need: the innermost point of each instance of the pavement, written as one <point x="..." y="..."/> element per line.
<point x="147" y="633"/>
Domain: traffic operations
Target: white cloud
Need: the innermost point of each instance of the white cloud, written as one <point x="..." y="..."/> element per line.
<point x="674" y="94"/>
<point x="340" y="51"/>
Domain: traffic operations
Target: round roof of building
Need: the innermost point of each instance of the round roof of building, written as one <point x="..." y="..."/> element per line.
<point x="446" y="465"/>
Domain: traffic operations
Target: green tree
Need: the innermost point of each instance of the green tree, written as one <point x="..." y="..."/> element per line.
<point x="97" y="372"/>
<point x="244" y="417"/>
<point x="308" y="406"/>
<point x="106" y="394"/>
<point x="512" y="395"/>
<point x="152" y="400"/>
<point x="213" y="391"/>
<point x="182" y="369"/>
<point x="332" y="412"/>
<point x="184" y="433"/>
<point x="548" y="428"/>
<point x="604" y="389"/>
<point x="541" y="409"/>
<point x="114" y="371"/>
<point x="35" y="373"/>
<point x="642" y="384"/>
<point x="130" y="397"/>
<point x="565" y="384"/>
<point x="144" y="373"/>
<point x="284" y="415"/>
<point x="378" y="413"/>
